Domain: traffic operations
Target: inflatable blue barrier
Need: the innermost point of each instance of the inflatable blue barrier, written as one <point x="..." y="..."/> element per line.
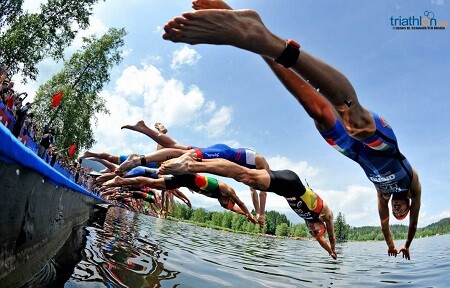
<point x="12" y="150"/>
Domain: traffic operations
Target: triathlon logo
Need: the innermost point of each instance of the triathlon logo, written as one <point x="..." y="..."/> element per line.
<point x="426" y="22"/>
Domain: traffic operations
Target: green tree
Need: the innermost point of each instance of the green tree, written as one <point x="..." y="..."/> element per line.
<point x="273" y="219"/>
<point x="200" y="215"/>
<point x="282" y="230"/>
<point x="9" y="11"/>
<point x="227" y="219"/>
<point x="216" y="218"/>
<point x="181" y="212"/>
<point x="32" y="37"/>
<point x="341" y="228"/>
<point x="237" y="222"/>
<point x="81" y="79"/>
<point x="298" y="230"/>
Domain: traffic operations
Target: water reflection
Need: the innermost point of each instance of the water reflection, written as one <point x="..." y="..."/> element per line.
<point x="118" y="255"/>
<point x="132" y="250"/>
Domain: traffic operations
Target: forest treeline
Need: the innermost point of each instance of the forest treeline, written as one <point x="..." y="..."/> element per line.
<point x="277" y="224"/>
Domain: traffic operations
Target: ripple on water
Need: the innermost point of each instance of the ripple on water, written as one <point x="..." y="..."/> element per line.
<point x="133" y="250"/>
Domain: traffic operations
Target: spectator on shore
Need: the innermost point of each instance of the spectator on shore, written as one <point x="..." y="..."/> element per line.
<point x="47" y="139"/>
<point x="21" y="114"/>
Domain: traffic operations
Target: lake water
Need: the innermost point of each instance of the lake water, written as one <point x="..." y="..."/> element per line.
<point x="134" y="250"/>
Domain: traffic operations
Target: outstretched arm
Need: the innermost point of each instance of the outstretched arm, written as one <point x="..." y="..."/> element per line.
<point x="416" y="193"/>
<point x="383" y="211"/>
<point x="182" y="197"/>
<point x="228" y="192"/>
<point x="327" y="216"/>
<point x="325" y="245"/>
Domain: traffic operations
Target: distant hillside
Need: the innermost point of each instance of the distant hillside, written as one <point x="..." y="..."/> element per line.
<point x="369" y="233"/>
<point x="440" y="224"/>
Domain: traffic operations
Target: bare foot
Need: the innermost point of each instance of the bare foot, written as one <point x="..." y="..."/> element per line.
<point x="240" y="28"/>
<point x="161" y="128"/>
<point x="136" y="127"/>
<point x="176" y="166"/>
<point x="88" y="154"/>
<point x="117" y="181"/>
<point x="105" y="177"/>
<point x="210" y="4"/>
<point x="132" y="161"/>
<point x="92" y="158"/>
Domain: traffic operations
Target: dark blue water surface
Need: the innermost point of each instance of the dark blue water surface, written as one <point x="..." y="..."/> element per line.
<point x="134" y="250"/>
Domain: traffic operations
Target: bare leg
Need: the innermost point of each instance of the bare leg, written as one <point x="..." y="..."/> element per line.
<point x="132" y="161"/>
<point x="105" y="177"/>
<point x="225" y="27"/>
<point x="161" y="155"/>
<point x="102" y="155"/>
<point x="118" y="181"/>
<point x="137" y="181"/>
<point x="158" y="137"/>
<point x="110" y="166"/>
<point x="244" y="29"/>
<point x="256" y="178"/>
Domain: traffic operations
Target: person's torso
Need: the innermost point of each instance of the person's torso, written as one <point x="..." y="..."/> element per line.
<point x="308" y="206"/>
<point x="378" y="155"/>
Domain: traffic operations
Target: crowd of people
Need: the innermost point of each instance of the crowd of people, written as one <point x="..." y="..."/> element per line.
<point x="20" y="121"/>
<point x="16" y="106"/>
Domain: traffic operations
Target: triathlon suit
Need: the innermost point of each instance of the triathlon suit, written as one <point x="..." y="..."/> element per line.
<point x="307" y="204"/>
<point x="378" y="155"/>
<point x="242" y="156"/>
<point x="207" y="186"/>
<point x="122" y="159"/>
<point x="142" y="171"/>
<point x="144" y="195"/>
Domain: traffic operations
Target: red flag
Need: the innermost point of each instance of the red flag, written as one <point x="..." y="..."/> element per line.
<point x="56" y="99"/>
<point x="72" y="150"/>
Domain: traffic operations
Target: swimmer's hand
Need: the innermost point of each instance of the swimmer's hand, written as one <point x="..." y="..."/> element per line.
<point x="251" y="218"/>
<point x="392" y="251"/>
<point x="405" y="252"/>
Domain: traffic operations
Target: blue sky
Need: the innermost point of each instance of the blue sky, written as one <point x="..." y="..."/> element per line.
<point x="218" y="94"/>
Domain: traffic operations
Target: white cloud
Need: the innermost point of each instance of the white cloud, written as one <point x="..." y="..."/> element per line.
<point x="110" y="138"/>
<point x="144" y="94"/>
<point x="357" y="203"/>
<point x="210" y="106"/>
<point x="184" y="56"/>
<point x="218" y="123"/>
<point x="302" y="168"/>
